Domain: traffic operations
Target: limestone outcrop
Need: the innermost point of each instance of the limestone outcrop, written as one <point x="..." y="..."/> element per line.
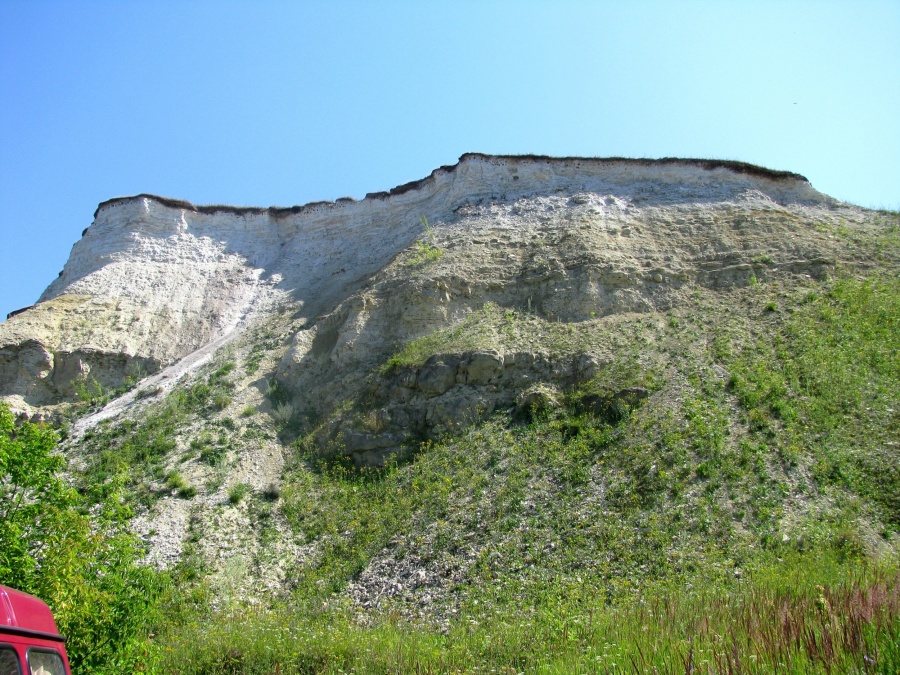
<point x="152" y="280"/>
<point x="359" y="330"/>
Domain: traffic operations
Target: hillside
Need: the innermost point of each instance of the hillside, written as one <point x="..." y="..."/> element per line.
<point x="153" y="279"/>
<point x="521" y="389"/>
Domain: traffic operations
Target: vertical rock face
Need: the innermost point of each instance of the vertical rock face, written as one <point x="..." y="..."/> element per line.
<point x="154" y="279"/>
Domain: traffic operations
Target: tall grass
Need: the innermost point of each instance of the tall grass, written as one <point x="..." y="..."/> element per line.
<point x="790" y="619"/>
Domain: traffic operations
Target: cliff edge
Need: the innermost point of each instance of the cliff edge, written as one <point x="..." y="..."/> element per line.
<point x="153" y="279"/>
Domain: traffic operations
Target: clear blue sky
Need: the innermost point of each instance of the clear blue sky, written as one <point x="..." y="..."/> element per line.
<point x="280" y="103"/>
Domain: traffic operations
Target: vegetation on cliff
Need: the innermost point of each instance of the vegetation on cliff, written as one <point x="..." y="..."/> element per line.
<point x="507" y="452"/>
<point x="743" y="516"/>
<point x="732" y="523"/>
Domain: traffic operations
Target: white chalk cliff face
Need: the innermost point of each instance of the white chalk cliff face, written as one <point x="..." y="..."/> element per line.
<point x="154" y="280"/>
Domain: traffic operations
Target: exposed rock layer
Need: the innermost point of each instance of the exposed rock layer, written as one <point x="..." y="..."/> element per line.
<point x="153" y="279"/>
<point x="529" y="270"/>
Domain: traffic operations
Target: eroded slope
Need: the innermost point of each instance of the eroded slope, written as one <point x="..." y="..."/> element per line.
<point x="154" y="279"/>
<point x="350" y="334"/>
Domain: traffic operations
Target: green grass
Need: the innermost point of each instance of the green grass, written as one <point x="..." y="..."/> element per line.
<point x="792" y="617"/>
<point x="494" y="327"/>
<point x="825" y="389"/>
<point x="238" y="491"/>
<point x="138" y="450"/>
<point x="175" y="481"/>
<point x="424" y="251"/>
<point x="743" y="519"/>
<point x="476" y="331"/>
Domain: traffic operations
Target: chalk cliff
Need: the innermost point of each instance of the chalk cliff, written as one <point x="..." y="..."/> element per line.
<point x="363" y="328"/>
<point x="152" y="280"/>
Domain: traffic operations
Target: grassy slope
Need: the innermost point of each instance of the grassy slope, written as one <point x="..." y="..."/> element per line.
<point x="746" y="515"/>
<point x="735" y="518"/>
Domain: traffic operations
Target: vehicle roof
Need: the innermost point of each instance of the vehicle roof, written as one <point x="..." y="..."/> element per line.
<point x="23" y="611"/>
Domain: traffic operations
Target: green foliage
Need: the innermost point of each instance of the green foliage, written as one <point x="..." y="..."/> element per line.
<point x="477" y="331"/>
<point x="138" y="451"/>
<point x="134" y="373"/>
<point x="213" y="455"/>
<point x="798" y="616"/>
<point x="88" y="391"/>
<point x="222" y="372"/>
<point x="826" y="387"/>
<point x="643" y="537"/>
<point x="714" y="526"/>
<point x="495" y="327"/>
<point x="284" y="415"/>
<point x="238" y="491"/>
<point x="478" y="485"/>
<point x="424" y="250"/>
<point x="258" y="351"/>
<point x="175" y="481"/>
<point x="83" y="565"/>
<point x="32" y="497"/>
<point x="277" y="392"/>
<point x="287" y="417"/>
<point x="221" y="400"/>
<point x="684" y="486"/>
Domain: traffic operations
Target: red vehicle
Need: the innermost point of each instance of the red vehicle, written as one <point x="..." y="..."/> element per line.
<point x="30" y="644"/>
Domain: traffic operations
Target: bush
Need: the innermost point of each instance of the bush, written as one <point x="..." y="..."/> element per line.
<point x="83" y="566"/>
<point x="222" y="372"/>
<point x="212" y="455"/>
<point x="277" y="393"/>
<point x="221" y="400"/>
<point x="283" y="414"/>
<point x="88" y="391"/>
<point x="424" y="250"/>
<point x="175" y="481"/>
<point x="187" y="492"/>
<point x="238" y="491"/>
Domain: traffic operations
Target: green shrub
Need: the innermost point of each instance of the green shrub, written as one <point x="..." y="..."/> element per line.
<point x="222" y="372"/>
<point x="175" y="481"/>
<point x="89" y="391"/>
<point x="277" y="392"/>
<point x="213" y="454"/>
<point x="82" y="562"/>
<point x="221" y="400"/>
<point x="187" y="492"/>
<point x="284" y="415"/>
<point x="424" y="250"/>
<point x="825" y="383"/>
<point x="238" y="491"/>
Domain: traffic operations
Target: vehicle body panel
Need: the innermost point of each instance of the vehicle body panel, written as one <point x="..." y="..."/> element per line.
<point x="27" y="625"/>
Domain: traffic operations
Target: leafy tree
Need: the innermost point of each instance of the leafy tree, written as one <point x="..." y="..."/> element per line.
<point x="80" y="559"/>
<point x="33" y="499"/>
